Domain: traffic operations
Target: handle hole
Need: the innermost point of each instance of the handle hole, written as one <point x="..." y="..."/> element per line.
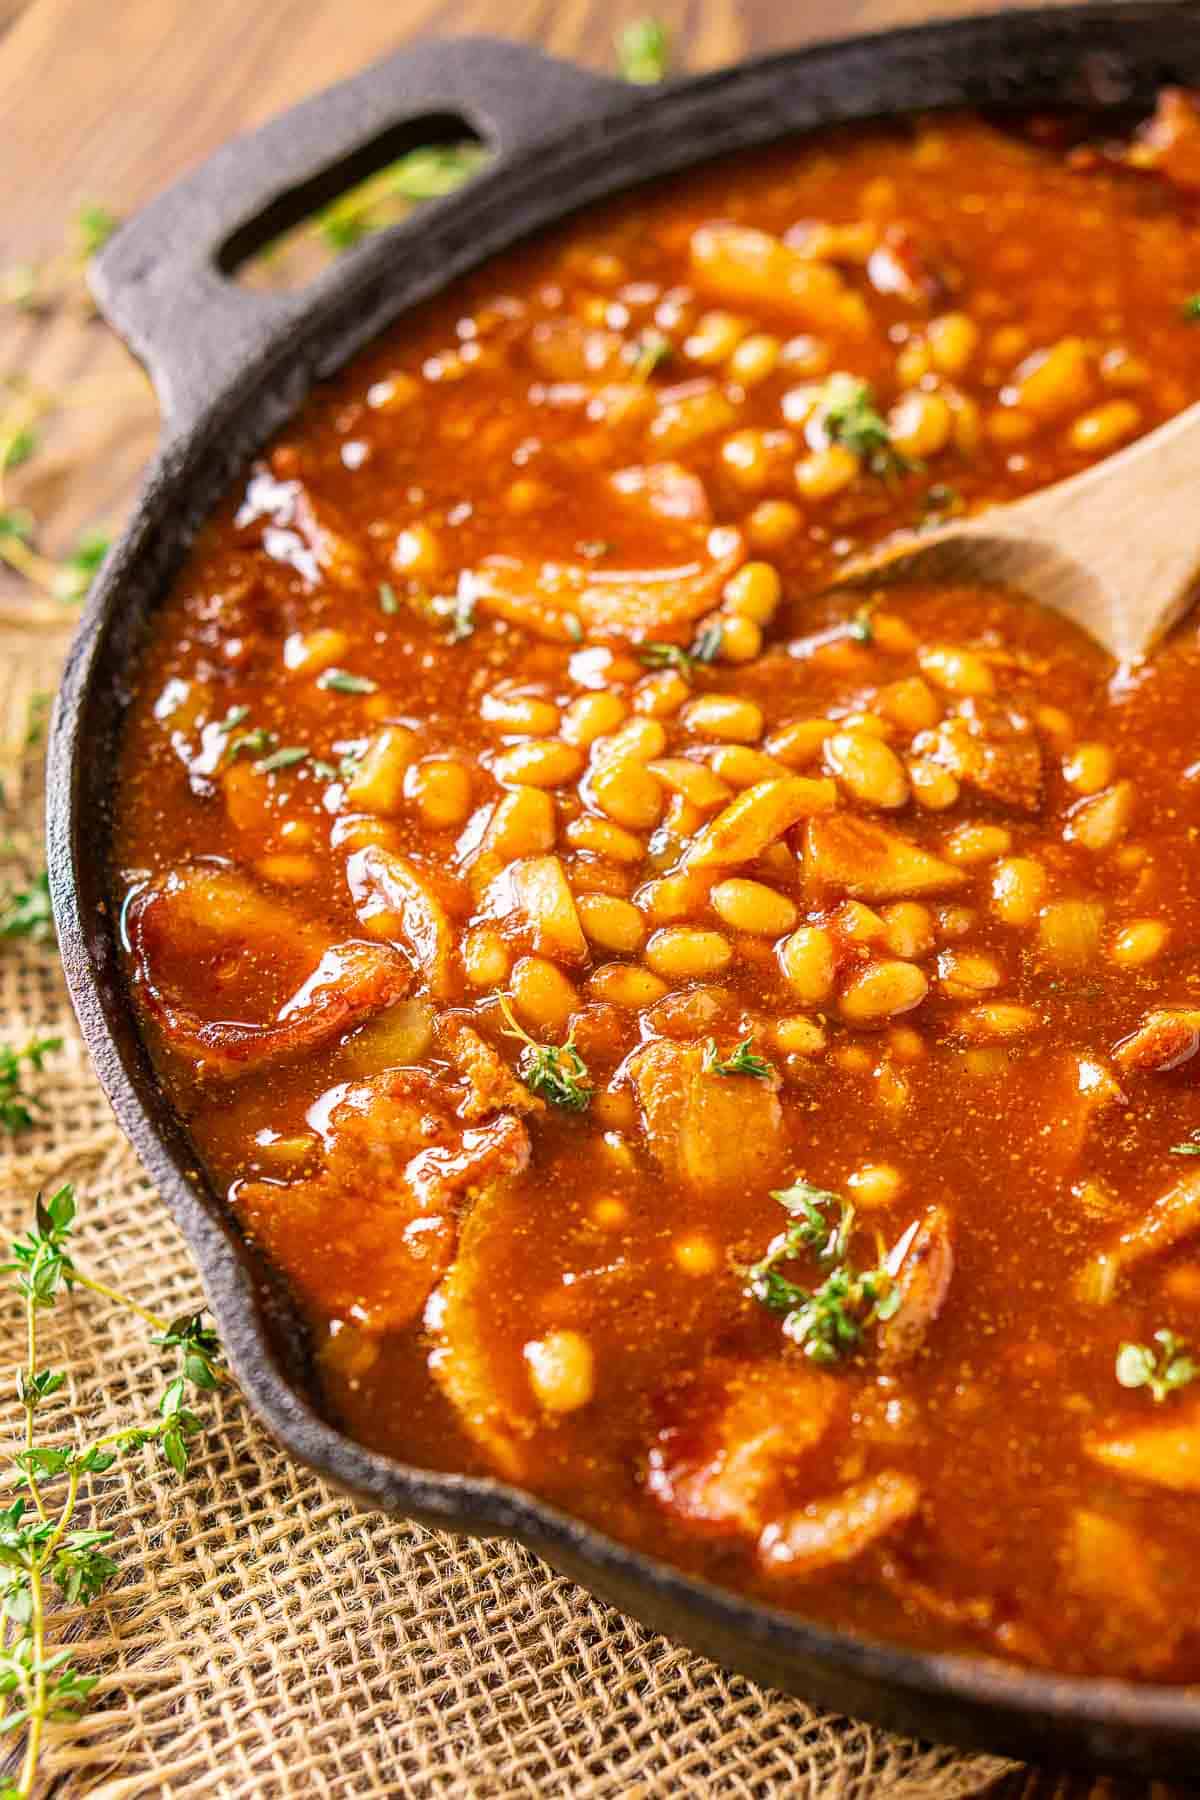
<point x="309" y="225"/>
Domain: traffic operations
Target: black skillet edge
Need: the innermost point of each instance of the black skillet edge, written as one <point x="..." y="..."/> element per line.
<point x="230" y="371"/>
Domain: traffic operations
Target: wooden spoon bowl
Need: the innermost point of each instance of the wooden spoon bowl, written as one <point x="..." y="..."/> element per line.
<point x="1116" y="549"/>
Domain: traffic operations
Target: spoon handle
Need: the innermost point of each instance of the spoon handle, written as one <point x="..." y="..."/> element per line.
<point x="1132" y="523"/>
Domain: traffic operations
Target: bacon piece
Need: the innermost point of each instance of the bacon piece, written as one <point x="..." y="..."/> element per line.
<point x="491" y="1085"/>
<point x="556" y="600"/>
<point x="568" y="350"/>
<point x="758" y="816"/>
<point x="706" y="1131"/>
<point x="829" y="1532"/>
<point x="1166" y="1456"/>
<point x="1175" y="1215"/>
<point x="197" y="933"/>
<point x="1166" y="1037"/>
<point x="922" y="1266"/>
<point x="296" y="528"/>
<point x="870" y="862"/>
<point x="901" y="266"/>
<point x="742" y="1432"/>
<point x="395" y="901"/>
<point x="491" y="1397"/>
<point x="372" y="1232"/>
<point x="749" y="267"/>
<point x="1111" y="1569"/>
<point x="665" y="490"/>
<point x="991" y="751"/>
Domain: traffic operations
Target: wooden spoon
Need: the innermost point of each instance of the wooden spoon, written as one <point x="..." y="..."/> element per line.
<point x="1116" y="548"/>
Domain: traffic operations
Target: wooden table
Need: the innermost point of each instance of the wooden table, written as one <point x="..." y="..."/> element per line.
<point x="106" y="100"/>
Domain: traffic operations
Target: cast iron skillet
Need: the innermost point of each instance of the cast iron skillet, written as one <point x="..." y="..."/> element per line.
<point x="230" y="367"/>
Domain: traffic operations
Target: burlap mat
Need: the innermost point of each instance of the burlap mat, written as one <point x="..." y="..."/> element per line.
<point x="265" y="1637"/>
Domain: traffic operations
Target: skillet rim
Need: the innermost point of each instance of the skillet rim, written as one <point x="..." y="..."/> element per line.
<point x="987" y="1699"/>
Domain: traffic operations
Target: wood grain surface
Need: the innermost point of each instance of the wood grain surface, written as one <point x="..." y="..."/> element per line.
<point x="108" y="100"/>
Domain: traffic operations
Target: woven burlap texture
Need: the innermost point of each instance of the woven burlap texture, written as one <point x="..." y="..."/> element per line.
<point x="266" y="1637"/>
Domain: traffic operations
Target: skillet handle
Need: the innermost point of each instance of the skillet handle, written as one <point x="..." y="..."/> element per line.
<point x="158" y="281"/>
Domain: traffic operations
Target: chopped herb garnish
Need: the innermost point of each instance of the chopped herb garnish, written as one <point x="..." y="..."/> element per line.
<point x="1190" y="1146"/>
<point x="324" y="771"/>
<point x="573" y="628"/>
<point x="458" y="609"/>
<point x="26" y="913"/>
<point x="707" y="646"/>
<point x="831" y="1320"/>
<point x="256" y="742"/>
<point x="18" y="1106"/>
<point x="555" y="1071"/>
<point x="742" y="1060"/>
<point x="860" y="627"/>
<point x="1163" y="1371"/>
<point x="285" y="758"/>
<point x="343" y="682"/>
<point x="846" y="408"/>
<point x="1191" y="308"/>
<point x="350" y="752"/>
<point x="704" y="650"/>
<point x="650" y="352"/>
<point x="388" y="602"/>
<point x="667" y="656"/>
<point x="643" y="51"/>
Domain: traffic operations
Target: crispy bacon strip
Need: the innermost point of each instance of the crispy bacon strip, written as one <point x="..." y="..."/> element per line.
<point x="369" y="1235"/>
<point x="557" y="600"/>
<point x="192" y="931"/>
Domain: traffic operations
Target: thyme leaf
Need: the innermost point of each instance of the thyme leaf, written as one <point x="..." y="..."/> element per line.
<point x="846" y="409"/>
<point x="742" y="1060"/>
<point x="19" y="1107"/>
<point x="27" y="914"/>
<point x="343" y="682"/>
<point x="556" y="1072"/>
<point x="704" y="650"/>
<point x="829" y="1321"/>
<point x="37" y="1548"/>
<point x="1163" y="1370"/>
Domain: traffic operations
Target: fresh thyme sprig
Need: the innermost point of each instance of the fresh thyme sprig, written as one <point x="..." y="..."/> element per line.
<point x="34" y="287"/>
<point x="649" y="352"/>
<point x="40" y="1548"/>
<point x="19" y="1108"/>
<point x="847" y="411"/>
<point x="26" y="913"/>
<point x="556" y="1072"/>
<point x="68" y="579"/>
<point x="1163" y="1370"/>
<point x="704" y="651"/>
<point x="831" y="1320"/>
<point x="742" y="1060"/>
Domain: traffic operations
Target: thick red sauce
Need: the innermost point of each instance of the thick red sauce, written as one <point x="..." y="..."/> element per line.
<point x="892" y="895"/>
